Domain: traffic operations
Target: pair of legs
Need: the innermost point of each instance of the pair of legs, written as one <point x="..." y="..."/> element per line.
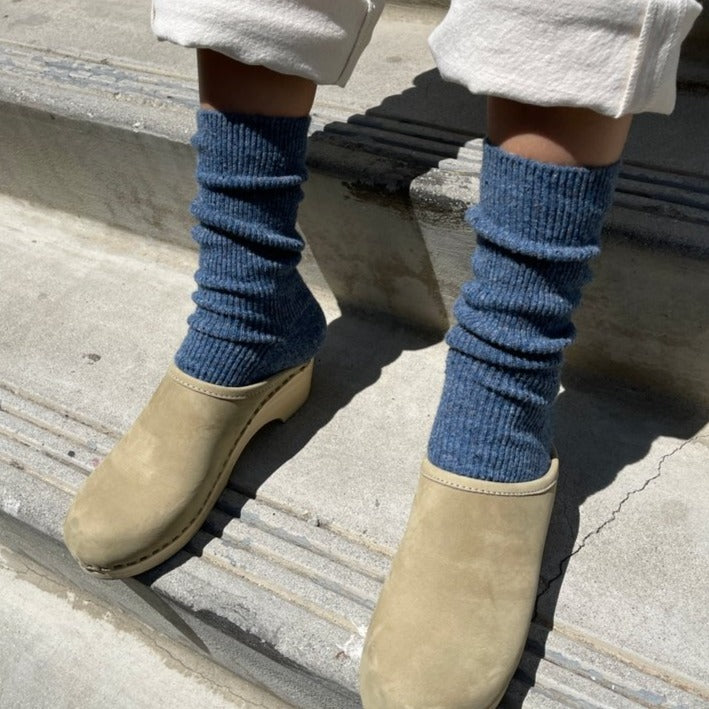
<point x="453" y="615"/>
<point x="467" y="568"/>
<point x="514" y="347"/>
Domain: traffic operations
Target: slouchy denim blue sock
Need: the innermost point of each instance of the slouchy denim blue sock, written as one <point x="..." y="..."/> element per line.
<point x="255" y="316"/>
<point x="538" y="226"/>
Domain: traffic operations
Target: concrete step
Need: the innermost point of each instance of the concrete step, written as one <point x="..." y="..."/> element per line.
<point x="107" y="654"/>
<point x="96" y="118"/>
<point x="289" y="564"/>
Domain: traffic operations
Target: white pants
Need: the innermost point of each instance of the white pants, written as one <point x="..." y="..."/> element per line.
<point x="614" y="56"/>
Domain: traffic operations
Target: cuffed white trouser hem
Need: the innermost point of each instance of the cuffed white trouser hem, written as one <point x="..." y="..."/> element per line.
<point x="613" y="56"/>
<point x="320" y="40"/>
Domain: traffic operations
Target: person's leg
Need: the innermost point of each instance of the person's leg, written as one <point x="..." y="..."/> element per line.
<point x="557" y="135"/>
<point x="230" y="86"/>
<point x="452" y="618"/>
<point x="244" y="361"/>
<point x="453" y="615"/>
<point x="254" y="315"/>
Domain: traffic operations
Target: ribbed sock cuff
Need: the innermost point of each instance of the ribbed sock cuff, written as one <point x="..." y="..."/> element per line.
<point x="250" y="146"/>
<point x="537" y="209"/>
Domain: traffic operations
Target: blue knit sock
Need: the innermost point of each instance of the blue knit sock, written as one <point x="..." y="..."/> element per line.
<point x="538" y="225"/>
<point x="255" y="316"/>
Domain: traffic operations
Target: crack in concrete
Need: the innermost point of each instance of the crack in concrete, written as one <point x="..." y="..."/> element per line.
<point x="613" y="516"/>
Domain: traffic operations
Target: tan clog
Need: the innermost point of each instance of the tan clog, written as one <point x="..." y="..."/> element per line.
<point x="453" y="616"/>
<point x="155" y="489"/>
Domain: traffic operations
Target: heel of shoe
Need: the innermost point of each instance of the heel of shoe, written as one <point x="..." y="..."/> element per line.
<point x="288" y="399"/>
<point x="296" y="392"/>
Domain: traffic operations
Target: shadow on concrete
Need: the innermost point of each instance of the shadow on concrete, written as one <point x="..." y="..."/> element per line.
<point x="433" y="102"/>
<point x="599" y="431"/>
<point x="165" y="611"/>
<point x="359" y="217"/>
<point x="356" y="350"/>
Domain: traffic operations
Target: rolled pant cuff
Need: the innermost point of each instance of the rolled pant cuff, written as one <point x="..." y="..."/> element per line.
<point x="613" y="57"/>
<point x="319" y="40"/>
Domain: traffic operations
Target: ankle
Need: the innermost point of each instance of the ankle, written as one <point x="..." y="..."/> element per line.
<point x="234" y="357"/>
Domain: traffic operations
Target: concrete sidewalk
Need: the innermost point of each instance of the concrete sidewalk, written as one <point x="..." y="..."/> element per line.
<point x="61" y="647"/>
<point x="90" y="320"/>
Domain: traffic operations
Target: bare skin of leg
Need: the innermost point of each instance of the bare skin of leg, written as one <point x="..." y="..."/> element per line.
<point x="558" y="135"/>
<point x="232" y="87"/>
